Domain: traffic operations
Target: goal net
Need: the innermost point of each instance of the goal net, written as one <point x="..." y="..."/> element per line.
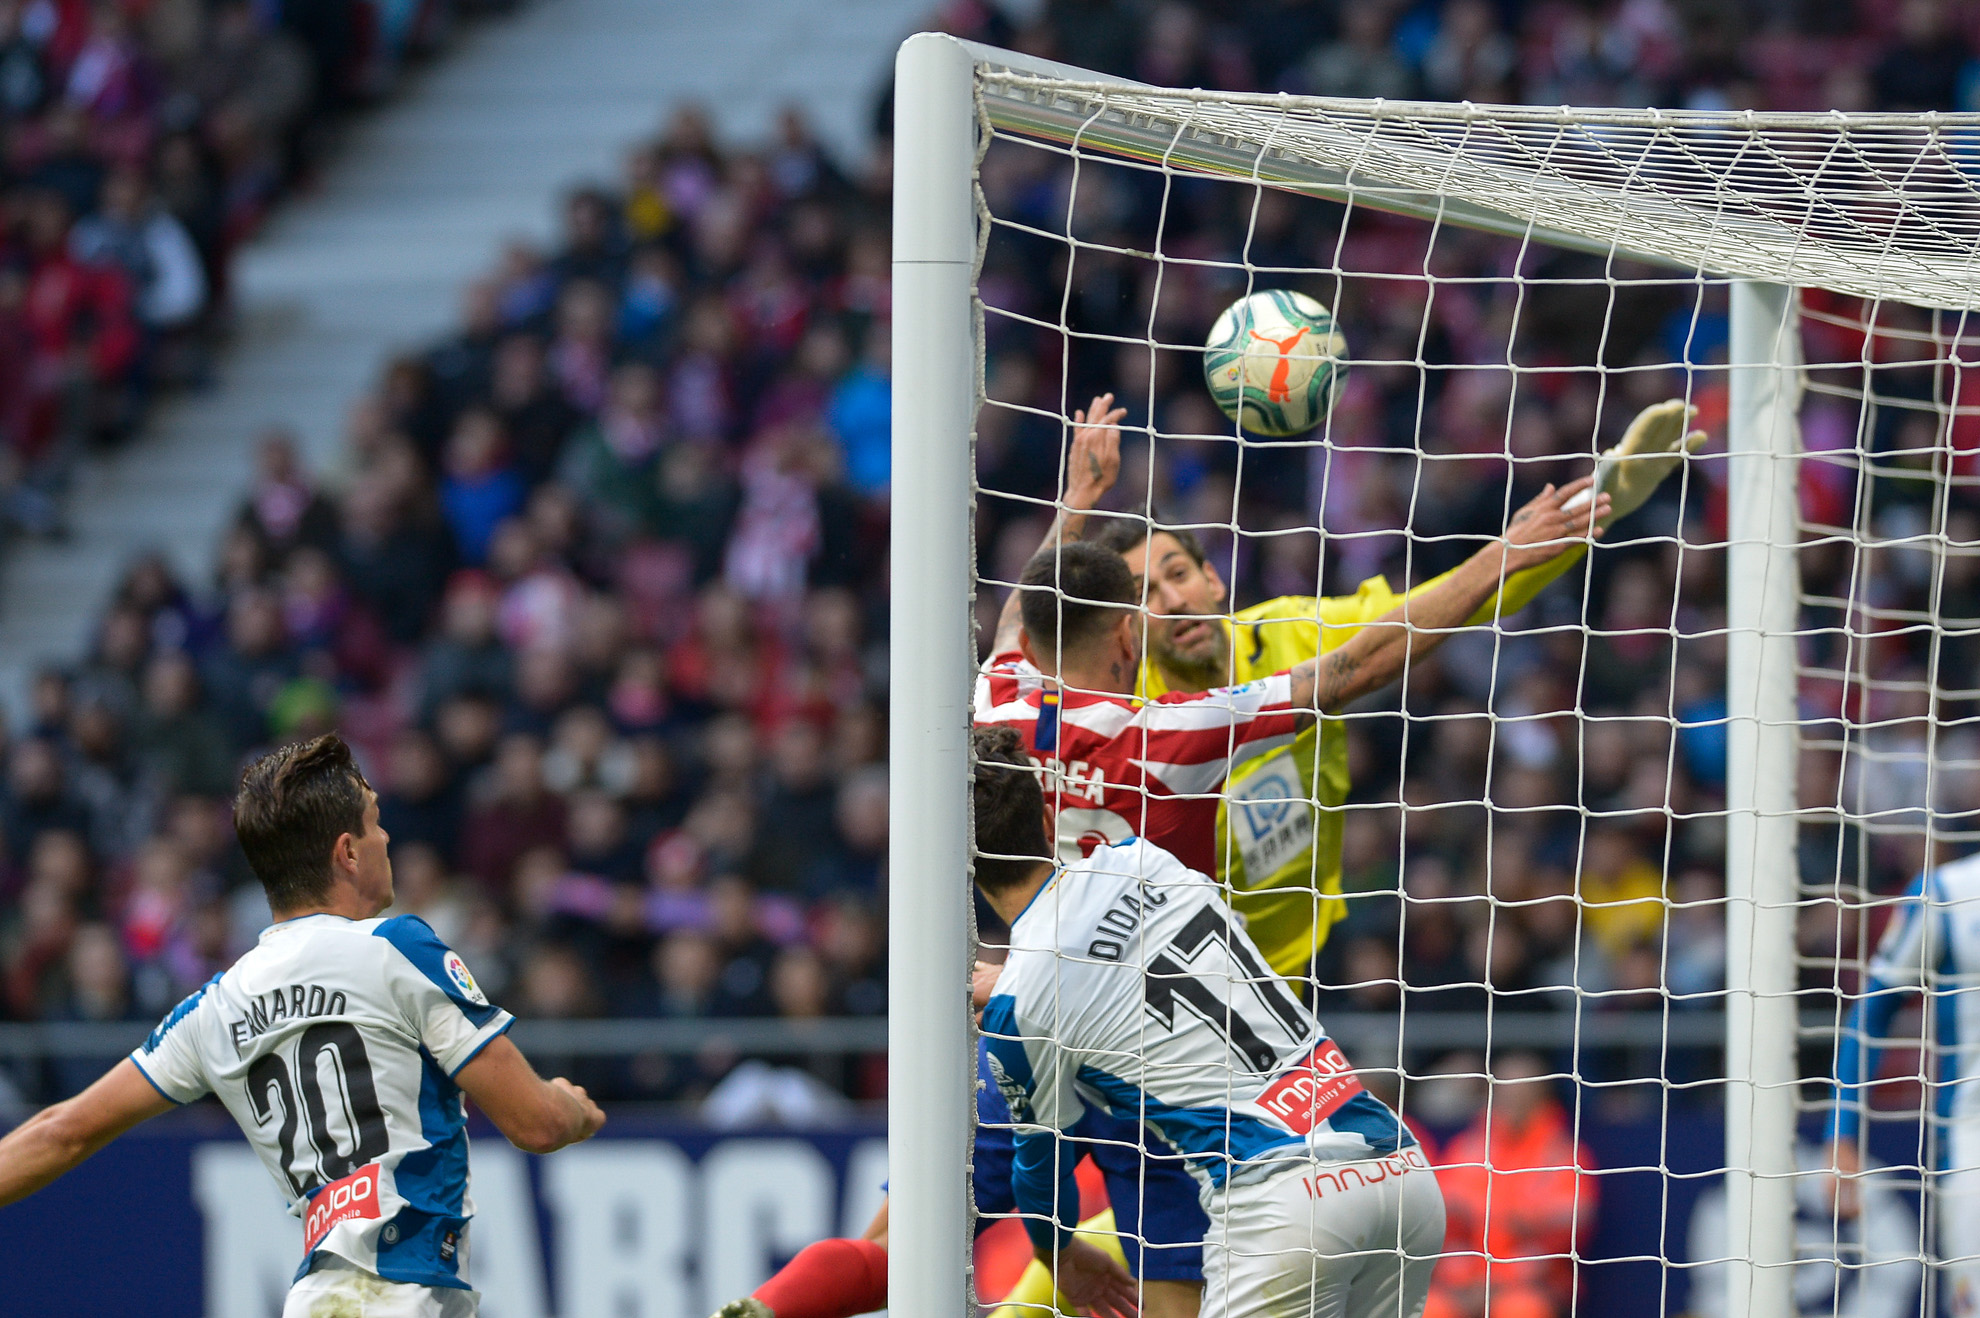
<point x="1591" y="888"/>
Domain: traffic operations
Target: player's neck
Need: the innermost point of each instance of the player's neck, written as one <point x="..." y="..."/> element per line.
<point x="343" y="900"/>
<point x="1111" y="673"/>
<point x="1009" y="904"/>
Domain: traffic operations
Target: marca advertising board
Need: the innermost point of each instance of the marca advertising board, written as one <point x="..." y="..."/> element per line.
<point x="180" y="1220"/>
<point x="660" y="1219"/>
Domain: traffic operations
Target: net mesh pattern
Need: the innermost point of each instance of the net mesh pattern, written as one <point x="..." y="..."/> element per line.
<point x="1526" y="830"/>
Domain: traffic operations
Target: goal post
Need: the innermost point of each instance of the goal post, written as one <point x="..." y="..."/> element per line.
<point x="930" y="1050"/>
<point x="1758" y="207"/>
<point x="1762" y="886"/>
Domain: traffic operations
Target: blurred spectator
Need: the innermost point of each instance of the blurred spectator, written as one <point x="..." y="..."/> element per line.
<point x="481" y="488"/>
<point x="1362" y="62"/>
<point x="509" y="813"/>
<point x="1519" y="1203"/>
<point x="467" y="655"/>
<point x="1922" y="71"/>
<point x="39" y="800"/>
<point x="284" y="508"/>
<point x="96" y="988"/>
<point x="421" y="804"/>
<point x="133" y="232"/>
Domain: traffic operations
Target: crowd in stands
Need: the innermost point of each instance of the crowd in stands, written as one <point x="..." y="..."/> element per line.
<point x="598" y="595"/>
<point x="1798" y="55"/>
<point x="141" y="141"/>
<point x="599" y="587"/>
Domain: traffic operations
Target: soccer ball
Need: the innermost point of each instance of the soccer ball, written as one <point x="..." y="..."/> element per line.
<point x="1275" y="363"/>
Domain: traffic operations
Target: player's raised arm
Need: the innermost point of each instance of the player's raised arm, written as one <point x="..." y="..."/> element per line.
<point x="1651" y="449"/>
<point x="1554" y="522"/>
<point x="537" y="1115"/>
<point x="1092" y="467"/>
<point x="59" y="1138"/>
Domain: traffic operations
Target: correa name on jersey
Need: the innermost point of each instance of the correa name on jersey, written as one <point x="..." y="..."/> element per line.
<point x="1118" y="767"/>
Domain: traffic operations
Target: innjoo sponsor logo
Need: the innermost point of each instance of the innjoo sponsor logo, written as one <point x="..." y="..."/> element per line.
<point x="356" y="1196"/>
<point x="1354" y="1175"/>
<point x="1313" y="1089"/>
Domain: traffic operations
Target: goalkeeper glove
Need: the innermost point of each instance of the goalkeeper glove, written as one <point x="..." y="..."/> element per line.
<point x="1650" y="450"/>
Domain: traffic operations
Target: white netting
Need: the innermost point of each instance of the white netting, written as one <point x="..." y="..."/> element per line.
<point x="1532" y="962"/>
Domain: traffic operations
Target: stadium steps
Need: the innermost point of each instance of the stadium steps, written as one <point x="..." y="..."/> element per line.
<point x="421" y="199"/>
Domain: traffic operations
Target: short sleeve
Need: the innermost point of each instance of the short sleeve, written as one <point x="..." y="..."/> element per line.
<point x="1906" y="949"/>
<point x="169" y="1056"/>
<point x="1028" y="1069"/>
<point x="1192" y="740"/>
<point x="434" y="988"/>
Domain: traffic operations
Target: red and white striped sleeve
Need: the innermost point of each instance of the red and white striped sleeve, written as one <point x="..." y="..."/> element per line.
<point x="1192" y="740"/>
<point x="1001" y="688"/>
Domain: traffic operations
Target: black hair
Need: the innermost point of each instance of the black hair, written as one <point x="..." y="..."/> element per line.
<point x="1010" y="810"/>
<point x="293" y="805"/>
<point x="1122" y="534"/>
<point x="1072" y="593"/>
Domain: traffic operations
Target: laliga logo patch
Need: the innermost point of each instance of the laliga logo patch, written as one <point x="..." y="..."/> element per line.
<point x="458" y="972"/>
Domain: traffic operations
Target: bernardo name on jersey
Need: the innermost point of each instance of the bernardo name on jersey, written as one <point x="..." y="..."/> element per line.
<point x="334" y="1044"/>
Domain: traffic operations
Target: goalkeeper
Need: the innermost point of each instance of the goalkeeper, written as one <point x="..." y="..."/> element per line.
<point x="1281" y="857"/>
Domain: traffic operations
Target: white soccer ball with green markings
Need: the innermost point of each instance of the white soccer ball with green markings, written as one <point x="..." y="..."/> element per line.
<point x="1275" y="363"/>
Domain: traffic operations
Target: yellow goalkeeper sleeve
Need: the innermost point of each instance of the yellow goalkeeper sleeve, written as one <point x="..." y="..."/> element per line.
<point x="1035" y="1296"/>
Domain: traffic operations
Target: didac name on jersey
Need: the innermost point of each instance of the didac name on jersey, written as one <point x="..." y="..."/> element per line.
<point x="280" y="1005"/>
<point x="1117" y="924"/>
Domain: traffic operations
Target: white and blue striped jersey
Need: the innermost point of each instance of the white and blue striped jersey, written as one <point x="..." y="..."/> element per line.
<point x="334" y="1044"/>
<point x="1129" y="985"/>
<point x="1932" y="944"/>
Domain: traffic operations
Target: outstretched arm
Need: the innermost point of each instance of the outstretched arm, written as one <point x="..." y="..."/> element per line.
<point x="1375" y="656"/>
<point x="1091" y="470"/>
<point x="60" y="1138"/>
<point x="1657" y="441"/>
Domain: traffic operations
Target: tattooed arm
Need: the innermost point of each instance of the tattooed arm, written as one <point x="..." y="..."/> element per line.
<point x="1091" y="469"/>
<point x="1377" y="654"/>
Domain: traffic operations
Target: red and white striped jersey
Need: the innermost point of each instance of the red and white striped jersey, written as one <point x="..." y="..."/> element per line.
<point x="1117" y="767"/>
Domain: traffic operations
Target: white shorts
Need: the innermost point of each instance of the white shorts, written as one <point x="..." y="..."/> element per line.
<point x="1957" y="1207"/>
<point x="337" y="1289"/>
<point x="1326" y="1240"/>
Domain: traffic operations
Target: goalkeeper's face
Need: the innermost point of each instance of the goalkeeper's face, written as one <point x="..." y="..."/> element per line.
<point x="1185" y="601"/>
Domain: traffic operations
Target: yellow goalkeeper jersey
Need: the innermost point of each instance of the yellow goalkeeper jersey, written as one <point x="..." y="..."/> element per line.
<point x="1279" y="824"/>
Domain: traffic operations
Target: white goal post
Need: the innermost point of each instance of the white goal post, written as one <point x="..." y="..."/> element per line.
<point x="1876" y="207"/>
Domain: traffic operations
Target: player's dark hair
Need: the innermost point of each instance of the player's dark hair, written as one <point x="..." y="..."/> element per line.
<point x="1122" y="534"/>
<point x="1010" y="810"/>
<point x="1070" y="595"/>
<point x="293" y="805"/>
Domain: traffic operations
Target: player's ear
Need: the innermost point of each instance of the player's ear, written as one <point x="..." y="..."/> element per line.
<point x="344" y="853"/>
<point x="1025" y="649"/>
<point x="1127" y="632"/>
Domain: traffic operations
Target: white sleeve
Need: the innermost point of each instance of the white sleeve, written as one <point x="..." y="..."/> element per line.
<point x="169" y="1058"/>
<point x="1909" y="944"/>
<point x="441" y="1001"/>
<point x="1028" y="1065"/>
